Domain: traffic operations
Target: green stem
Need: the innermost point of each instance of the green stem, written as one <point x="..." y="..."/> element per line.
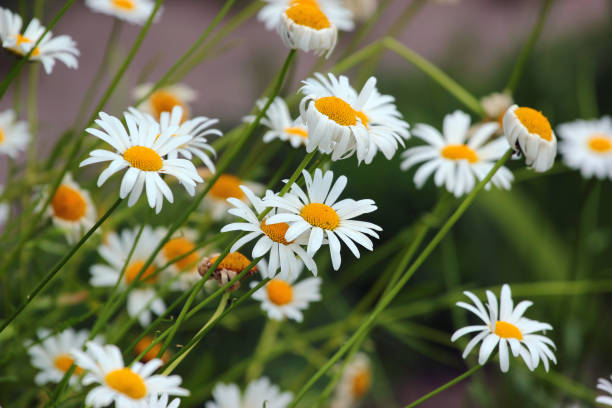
<point x="445" y="386"/>
<point x="266" y="343"/>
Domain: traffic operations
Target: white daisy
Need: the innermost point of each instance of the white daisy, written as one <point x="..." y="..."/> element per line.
<point x="529" y="132"/>
<point x="141" y="300"/>
<point x="165" y="98"/>
<point x="142" y="149"/>
<point x="162" y="402"/>
<point x="282" y="127"/>
<point x="14" y="135"/>
<point x="132" y="11"/>
<point x="304" y="26"/>
<point x="227" y="186"/>
<point x="127" y="387"/>
<point x="318" y="214"/>
<point x="339" y="14"/>
<point x="459" y="162"/>
<point x="62" y="47"/>
<point x="259" y="393"/>
<point x="506" y="326"/>
<point x="605" y="386"/>
<point x="270" y="238"/>
<point x="186" y="269"/>
<point x="355" y="382"/>
<point x="229" y="267"/>
<point x="586" y="145"/>
<point x="496" y="104"/>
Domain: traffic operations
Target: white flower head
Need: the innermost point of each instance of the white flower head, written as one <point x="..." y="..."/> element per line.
<point x="259" y="393"/>
<point x="278" y="120"/>
<point x="14" y="134"/>
<point x="606" y="386"/>
<point x="458" y="162"/>
<point x="496" y="104"/>
<point x="162" y="402"/>
<point x="304" y="26"/>
<point x="505" y="326"/>
<point x="132" y="11"/>
<point x="355" y="382"/>
<point x="338" y="13"/>
<point x="141" y="149"/>
<point x="226" y="186"/>
<point x="49" y="50"/>
<point x="165" y="99"/>
<point x="127" y="387"/>
<point x="529" y="132"/>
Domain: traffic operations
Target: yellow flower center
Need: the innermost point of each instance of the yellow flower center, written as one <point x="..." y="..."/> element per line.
<point x="180" y="246"/>
<point x="226" y="186"/>
<point x="309" y="15"/>
<point x="63" y="362"/>
<point x="68" y="204"/>
<point x="361" y="383"/>
<point x="21" y="40"/>
<point x="320" y="215"/>
<point x="507" y="330"/>
<point x="164" y="101"/>
<point x="337" y="110"/>
<point x="127" y="5"/>
<point x="460" y="152"/>
<point x="1" y="136"/>
<point x="279" y="292"/>
<point x="153" y="351"/>
<point x="126" y="382"/>
<point x="276" y="232"/>
<point x="363" y="117"/>
<point x="598" y="142"/>
<point x="291" y="130"/>
<point x="535" y="122"/>
<point x="234" y="261"/>
<point x="143" y="158"/>
<point x="133" y="270"/>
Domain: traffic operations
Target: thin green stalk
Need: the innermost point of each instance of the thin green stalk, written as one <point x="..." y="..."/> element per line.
<point x="266" y="343"/>
<point x="445" y="386"/>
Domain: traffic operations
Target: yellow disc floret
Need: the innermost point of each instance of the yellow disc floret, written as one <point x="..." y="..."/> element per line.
<point x="126" y="382"/>
<point x="63" y="362"/>
<point x="600" y="143"/>
<point x="308" y="15"/>
<point x="164" y="101"/>
<point x="276" y="232"/>
<point x="133" y="270"/>
<point x="127" y="5"/>
<point x="226" y="186"/>
<point x="291" y="130"/>
<point x="507" y="330"/>
<point x="1" y="136"/>
<point x="320" y="215"/>
<point x="364" y="119"/>
<point x="234" y="261"/>
<point x="337" y="110"/>
<point x="279" y="292"/>
<point x="21" y="40"/>
<point x="180" y="246"/>
<point x="143" y="158"/>
<point x="361" y="383"/>
<point x="535" y="122"/>
<point x="68" y="204"/>
<point x="459" y="152"/>
<point x="144" y="343"/>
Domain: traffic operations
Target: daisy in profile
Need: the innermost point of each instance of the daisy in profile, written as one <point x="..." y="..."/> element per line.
<point x="259" y="393"/>
<point x="165" y="99"/>
<point x="304" y="26"/>
<point x="226" y="186"/>
<point x="49" y="50"/>
<point x="229" y="267"/>
<point x="141" y="149"/>
<point x="143" y="344"/>
<point x="185" y="270"/>
<point x="338" y="13"/>
<point x="355" y="382"/>
<point x="284" y="255"/>
<point x="127" y="387"/>
<point x="586" y="145"/>
<point x="14" y="134"/>
<point x="71" y="209"/>
<point x="605" y="386"/>
<point x="162" y="402"/>
<point x="458" y="162"/>
<point x="142" y="300"/>
<point x="132" y="11"/>
<point x="529" y="132"/>
<point x="505" y="326"/>
<point x="282" y="127"/>
<point x="319" y="215"/>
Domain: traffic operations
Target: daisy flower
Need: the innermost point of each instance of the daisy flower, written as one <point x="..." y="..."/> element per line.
<point x="339" y="14"/>
<point x="529" y="132"/>
<point x="284" y="254"/>
<point x="282" y="127"/>
<point x="163" y="402"/>
<point x="259" y="393"/>
<point x="61" y="48"/>
<point x="71" y="209"/>
<point x="186" y="269"/>
<point x="141" y="300"/>
<point x="144" y="343"/>
<point x="127" y="387"/>
<point x="14" y="135"/>
<point x="506" y="326"/>
<point x="227" y="186"/>
<point x="142" y="149"/>
<point x="304" y="26"/>
<point x="318" y="214"/>
<point x="361" y="9"/>
<point x="606" y="386"/>
<point x="459" y="162"/>
<point x="496" y="104"/>
<point x="587" y="146"/>
<point x="228" y="268"/>
<point x="355" y="382"/>
<point x="132" y="11"/>
<point x="165" y="98"/>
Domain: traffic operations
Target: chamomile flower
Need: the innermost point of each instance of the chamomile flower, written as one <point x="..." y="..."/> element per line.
<point x="282" y="127"/>
<point x="458" y="162"/>
<point x="142" y="149"/>
<point x="304" y="26"/>
<point x="115" y="250"/>
<point x="606" y="386"/>
<point x="71" y="209"/>
<point x="127" y="387"/>
<point x="14" y="134"/>
<point x="144" y="343"/>
<point x="229" y="267"/>
<point x="51" y="48"/>
<point x="355" y="382"/>
<point x="165" y="99"/>
<point x="226" y="186"/>
<point x="586" y="145"/>
<point x="286" y="255"/>
<point x="361" y="9"/>
<point x="496" y="104"/>
<point x="318" y="214"/>
<point x="182" y="243"/>
<point x="132" y="11"/>
<point x="529" y="132"/>
<point x="339" y="14"/>
<point x="507" y="327"/>
<point x="163" y="402"/>
<point x="259" y="393"/>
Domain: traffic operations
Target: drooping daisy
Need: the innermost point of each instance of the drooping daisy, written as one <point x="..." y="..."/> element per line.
<point x="282" y="127"/>
<point x="355" y="382"/>
<point x="507" y="327"/>
<point x="132" y="11"/>
<point x="226" y="186"/>
<point x="14" y="135"/>
<point x="183" y="243"/>
<point x="259" y="393"/>
<point x="72" y="209"/>
<point x="127" y="387"/>
<point x="61" y="48"/>
<point x="144" y="343"/>
<point x="229" y="267"/>
<point x="304" y="26"/>
<point x="605" y="386"/>
<point x="339" y="14"/>
<point x="163" y="402"/>
<point x="284" y="254"/>
<point x="529" y="132"/>
<point x="141" y="300"/>
<point x="459" y="162"/>
<point x="496" y="104"/>
<point x="318" y="214"/>
<point x="165" y="99"/>
<point x="142" y="149"/>
<point x="586" y="145"/>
